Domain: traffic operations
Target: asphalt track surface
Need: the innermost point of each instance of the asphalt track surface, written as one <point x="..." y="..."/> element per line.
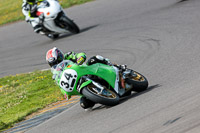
<point x="159" y="38"/>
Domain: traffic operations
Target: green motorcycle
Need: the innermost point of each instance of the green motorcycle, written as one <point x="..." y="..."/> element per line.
<point x="99" y="83"/>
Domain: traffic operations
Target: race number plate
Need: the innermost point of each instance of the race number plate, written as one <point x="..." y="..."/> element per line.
<point x="68" y="80"/>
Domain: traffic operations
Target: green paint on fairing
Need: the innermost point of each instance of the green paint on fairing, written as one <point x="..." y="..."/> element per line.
<point x="101" y="70"/>
<point x="85" y="84"/>
<point x="63" y="91"/>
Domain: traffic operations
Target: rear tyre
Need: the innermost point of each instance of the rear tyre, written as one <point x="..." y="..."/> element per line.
<point x="138" y="81"/>
<point x="53" y="36"/>
<point x="108" y="97"/>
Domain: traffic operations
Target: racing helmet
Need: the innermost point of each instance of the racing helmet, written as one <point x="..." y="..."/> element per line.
<point x="32" y="1"/>
<point x="54" y="56"/>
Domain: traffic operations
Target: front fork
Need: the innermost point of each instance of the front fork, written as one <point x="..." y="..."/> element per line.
<point x="125" y="74"/>
<point x="59" y="21"/>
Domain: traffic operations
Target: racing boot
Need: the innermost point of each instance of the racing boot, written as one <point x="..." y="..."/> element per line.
<point x="86" y="103"/>
<point x="37" y="28"/>
<point x="98" y="59"/>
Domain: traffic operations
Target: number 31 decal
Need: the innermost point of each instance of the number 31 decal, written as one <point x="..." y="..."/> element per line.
<point x="68" y="80"/>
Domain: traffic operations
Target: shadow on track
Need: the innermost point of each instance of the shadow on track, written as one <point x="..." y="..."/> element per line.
<point x="88" y="28"/>
<point x="182" y="1"/>
<point x="81" y="31"/>
<point x="150" y="88"/>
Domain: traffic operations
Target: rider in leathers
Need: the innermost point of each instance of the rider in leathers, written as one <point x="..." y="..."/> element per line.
<point x="29" y="8"/>
<point x="54" y="56"/>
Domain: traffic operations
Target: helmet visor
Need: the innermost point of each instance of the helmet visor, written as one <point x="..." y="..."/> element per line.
<point x="31" y="1"/>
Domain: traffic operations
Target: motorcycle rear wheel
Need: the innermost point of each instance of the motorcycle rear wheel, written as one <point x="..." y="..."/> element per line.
<point x="109" y="100"/>
<point x="138" y="81"/>
<point x="53" y="36"/>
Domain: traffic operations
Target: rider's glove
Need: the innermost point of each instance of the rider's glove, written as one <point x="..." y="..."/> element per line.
<point x="108" y="62"/>
<point x="27" y="19"/>
<point x="81" y="60"/>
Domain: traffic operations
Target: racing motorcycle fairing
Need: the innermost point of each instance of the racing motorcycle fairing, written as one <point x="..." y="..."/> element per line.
<point x="72" y="77"/>
<point x="54" y="20"/>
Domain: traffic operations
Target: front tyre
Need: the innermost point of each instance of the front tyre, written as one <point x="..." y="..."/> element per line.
<point x="107" y="97"/>
<point x="138" y="81"/>
<point x="71" y="26"/>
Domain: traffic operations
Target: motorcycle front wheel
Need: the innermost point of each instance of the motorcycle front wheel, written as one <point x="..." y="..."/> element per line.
<point x="107" y="97"/>
<point x="71" y="26"/>
<point x="138" y="81"/>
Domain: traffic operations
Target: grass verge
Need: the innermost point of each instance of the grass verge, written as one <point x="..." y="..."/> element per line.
<point x="24" y="94"/>
<point x="11" y="11"/>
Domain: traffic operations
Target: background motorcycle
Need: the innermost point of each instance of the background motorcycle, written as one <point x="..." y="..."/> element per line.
<point x="99" y="83"/>
<point x="54" y="20"/>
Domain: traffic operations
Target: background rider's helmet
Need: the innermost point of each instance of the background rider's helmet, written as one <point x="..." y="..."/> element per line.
<point x="31" y="1"/>
<point x="54" y="56"/>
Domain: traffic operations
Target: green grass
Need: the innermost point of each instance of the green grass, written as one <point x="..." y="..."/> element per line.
<point x="11" y="11"/>
<point x="24" y="94"/>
